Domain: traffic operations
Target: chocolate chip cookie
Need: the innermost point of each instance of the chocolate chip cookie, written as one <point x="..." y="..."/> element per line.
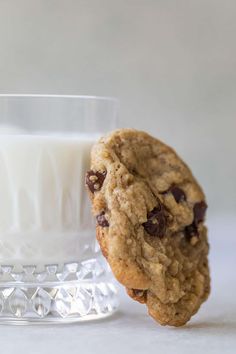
<point x="150" y="223"/>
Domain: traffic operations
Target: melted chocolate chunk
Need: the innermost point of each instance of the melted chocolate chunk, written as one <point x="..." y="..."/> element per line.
<point x="190" y="231"/>
<point x="94" y="180"/>
<point x="101" y="220"/>
<point x="156" y="222"/>
<point x="178" y="194"/>
<point x="199" y="211"/>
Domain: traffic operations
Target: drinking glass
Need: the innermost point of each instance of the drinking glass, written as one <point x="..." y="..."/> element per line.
<point x="51" y="268"/>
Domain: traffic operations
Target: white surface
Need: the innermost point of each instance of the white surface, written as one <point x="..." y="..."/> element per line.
<point x="130" y="330"/>
<point x="44" y="205"/>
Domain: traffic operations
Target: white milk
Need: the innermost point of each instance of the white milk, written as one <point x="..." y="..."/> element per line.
<point x="45" y="215"/>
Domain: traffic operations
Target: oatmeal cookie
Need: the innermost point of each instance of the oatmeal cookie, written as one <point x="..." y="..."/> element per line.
<point x="150" y="223"/>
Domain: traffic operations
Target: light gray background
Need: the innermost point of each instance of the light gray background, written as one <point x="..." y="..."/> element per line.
<point x="171" y="63"/>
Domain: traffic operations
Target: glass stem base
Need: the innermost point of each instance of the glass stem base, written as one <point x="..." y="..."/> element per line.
<point x="80" y="294"/>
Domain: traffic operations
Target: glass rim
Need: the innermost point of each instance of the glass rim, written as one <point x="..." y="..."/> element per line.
<point x="82" y="97"/>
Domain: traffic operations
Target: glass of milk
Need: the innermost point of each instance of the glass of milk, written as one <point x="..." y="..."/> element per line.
<point x="51" y="268"/>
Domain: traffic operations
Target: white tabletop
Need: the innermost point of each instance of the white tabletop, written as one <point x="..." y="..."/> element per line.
<point x="130" y="330"/>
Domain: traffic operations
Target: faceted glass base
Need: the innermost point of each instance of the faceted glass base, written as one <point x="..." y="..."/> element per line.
<point x="58" y="294"/>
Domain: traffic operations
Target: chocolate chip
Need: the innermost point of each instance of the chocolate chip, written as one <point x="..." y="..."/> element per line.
<point x="101" y="220"/>
<point x="199" y="211"/>
<point x="156" y="222"/>
<point x="94" y="180"/>
<point x="190" y="231"/>
<point x="178" y="194"/>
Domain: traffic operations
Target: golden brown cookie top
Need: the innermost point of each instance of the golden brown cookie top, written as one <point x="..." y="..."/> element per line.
<point x="150" y="212"/>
